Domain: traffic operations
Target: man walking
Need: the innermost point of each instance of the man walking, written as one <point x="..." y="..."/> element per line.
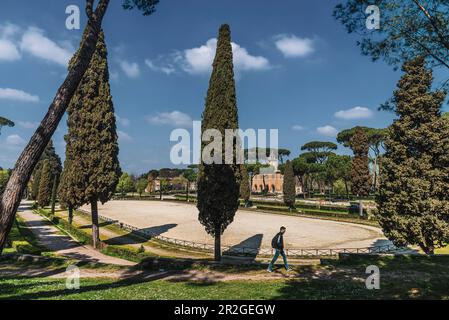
<point x="278" y="244"/>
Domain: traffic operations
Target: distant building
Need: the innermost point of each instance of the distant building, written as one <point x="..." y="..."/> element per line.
<point x="271" y="179"/>
<point x="175" y="183"/>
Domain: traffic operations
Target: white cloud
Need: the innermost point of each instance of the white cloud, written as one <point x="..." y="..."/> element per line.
<point x="327" y="131"/>
<point x="28" y="124"/>
<point x="8" y="30"/>
<point x="175" y="118"/>
<point x="292" y="46"/>
<point x="131" y="69"/>
<point x="123" y="121"/>
<point x="355" y="113"/>
<point x="297" y="127"/>
<point x="123" y="136"/>
<point x="199" y="60"/>
<point x="37" y="44"/>
<point x="15" y="140"/>
<point x="17" y="95"/>
<point x="8" y="51"/>
<point x="167" y="68"/>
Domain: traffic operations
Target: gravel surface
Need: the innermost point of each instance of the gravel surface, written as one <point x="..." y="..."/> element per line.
<point x="249" y="229"/>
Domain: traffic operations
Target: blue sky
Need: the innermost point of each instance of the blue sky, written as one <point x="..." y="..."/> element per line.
<point x="297" y="70"/>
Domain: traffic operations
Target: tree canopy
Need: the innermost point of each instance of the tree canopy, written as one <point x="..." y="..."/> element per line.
<point x="375" y="136"/>
<point x="5" y="123"/>
<point x="413" y="200"/>
<point x="219" y="183"/>
<point x="408" y="29"/>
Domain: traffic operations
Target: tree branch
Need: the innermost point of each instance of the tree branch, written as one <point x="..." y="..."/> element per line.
<point x="441" y="36"/>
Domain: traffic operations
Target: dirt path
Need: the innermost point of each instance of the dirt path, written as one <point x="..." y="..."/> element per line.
<point x="50" y="237"/>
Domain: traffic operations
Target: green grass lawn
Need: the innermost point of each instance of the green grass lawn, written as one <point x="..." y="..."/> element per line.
<point x="22" y="240"/>
<point x="402" y="277"/>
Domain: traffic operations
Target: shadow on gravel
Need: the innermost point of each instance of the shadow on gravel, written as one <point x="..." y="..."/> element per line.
<point x="248" y="248"/>
<point x="135" y="237"/>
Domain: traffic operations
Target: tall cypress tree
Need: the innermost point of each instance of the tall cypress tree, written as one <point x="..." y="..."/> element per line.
<point x="55" y="168"/>
<point x="413" y="199"/>
<point x="360" y="174"/>
<point x="219" y="184"/>
<point x="289" y="187"/>
<point x="45" y="185"/>
<point x="93" y="165"/>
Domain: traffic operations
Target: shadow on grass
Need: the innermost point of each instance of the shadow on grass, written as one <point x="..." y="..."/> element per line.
<point x="49" y="294"/>
<point x="401" y="277"/>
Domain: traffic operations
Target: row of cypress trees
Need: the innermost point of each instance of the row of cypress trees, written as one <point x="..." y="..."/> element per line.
<point x="413" y="199"/>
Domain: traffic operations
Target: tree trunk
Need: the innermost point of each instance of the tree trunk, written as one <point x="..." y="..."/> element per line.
<point x="70" y="215"/>
<point x="187" y="191"/>
<point x="217" y="250"/>
<point x="95" y="226"/>
<point x="33" y="151"/>
<point x="53" y="194"/>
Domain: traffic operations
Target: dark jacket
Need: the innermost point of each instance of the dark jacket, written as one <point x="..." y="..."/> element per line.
<point x="278" y="242"/>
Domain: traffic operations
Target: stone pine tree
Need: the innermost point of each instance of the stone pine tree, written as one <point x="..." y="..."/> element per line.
<point x="93" y="162"/>
<point x="45" y="185"/>
<point x="245" y="188"/>
<point x="413" y="199"/>
<point x="219" y="183"/>
<point x="360" y="174"/>
<point x="289" y="185"/>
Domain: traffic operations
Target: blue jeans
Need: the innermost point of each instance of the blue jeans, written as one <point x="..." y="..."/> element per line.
<point x="276" y="256"/>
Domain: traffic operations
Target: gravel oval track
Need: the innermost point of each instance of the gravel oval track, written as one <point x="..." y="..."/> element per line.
<point x="249" y="229"/>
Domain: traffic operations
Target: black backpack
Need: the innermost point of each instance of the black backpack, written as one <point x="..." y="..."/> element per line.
<point x="274" y="242"/>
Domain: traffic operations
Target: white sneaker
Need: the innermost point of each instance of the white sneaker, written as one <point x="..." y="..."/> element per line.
<point x="269" y="270"/>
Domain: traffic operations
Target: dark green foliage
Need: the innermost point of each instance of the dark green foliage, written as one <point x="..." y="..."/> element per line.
<point x="4" y="177"/>
<point x="35" y="182"/>
<point x="5" y="123"/>
<point x="375" y="136"/>
<point x="408" y="29"/>
<point x="360" y="175"/>
<point x="191" y="175"/>
<point x="146" y="6"/>
<point x="245" y="189"/>
<point x="92" y="168"/>
<point x="125" y="184"/>
<point x="141" y="185"/>
<point x="414" y="199"/>
<point x="92" y="136"/>
<point x="219" y="184"/>
<point x="283" y="153"/>
<point x="289" y="187"/>
<point x="55" y="168"/>
<point x="319" y="150"/>
<point x="45" y="185"/>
